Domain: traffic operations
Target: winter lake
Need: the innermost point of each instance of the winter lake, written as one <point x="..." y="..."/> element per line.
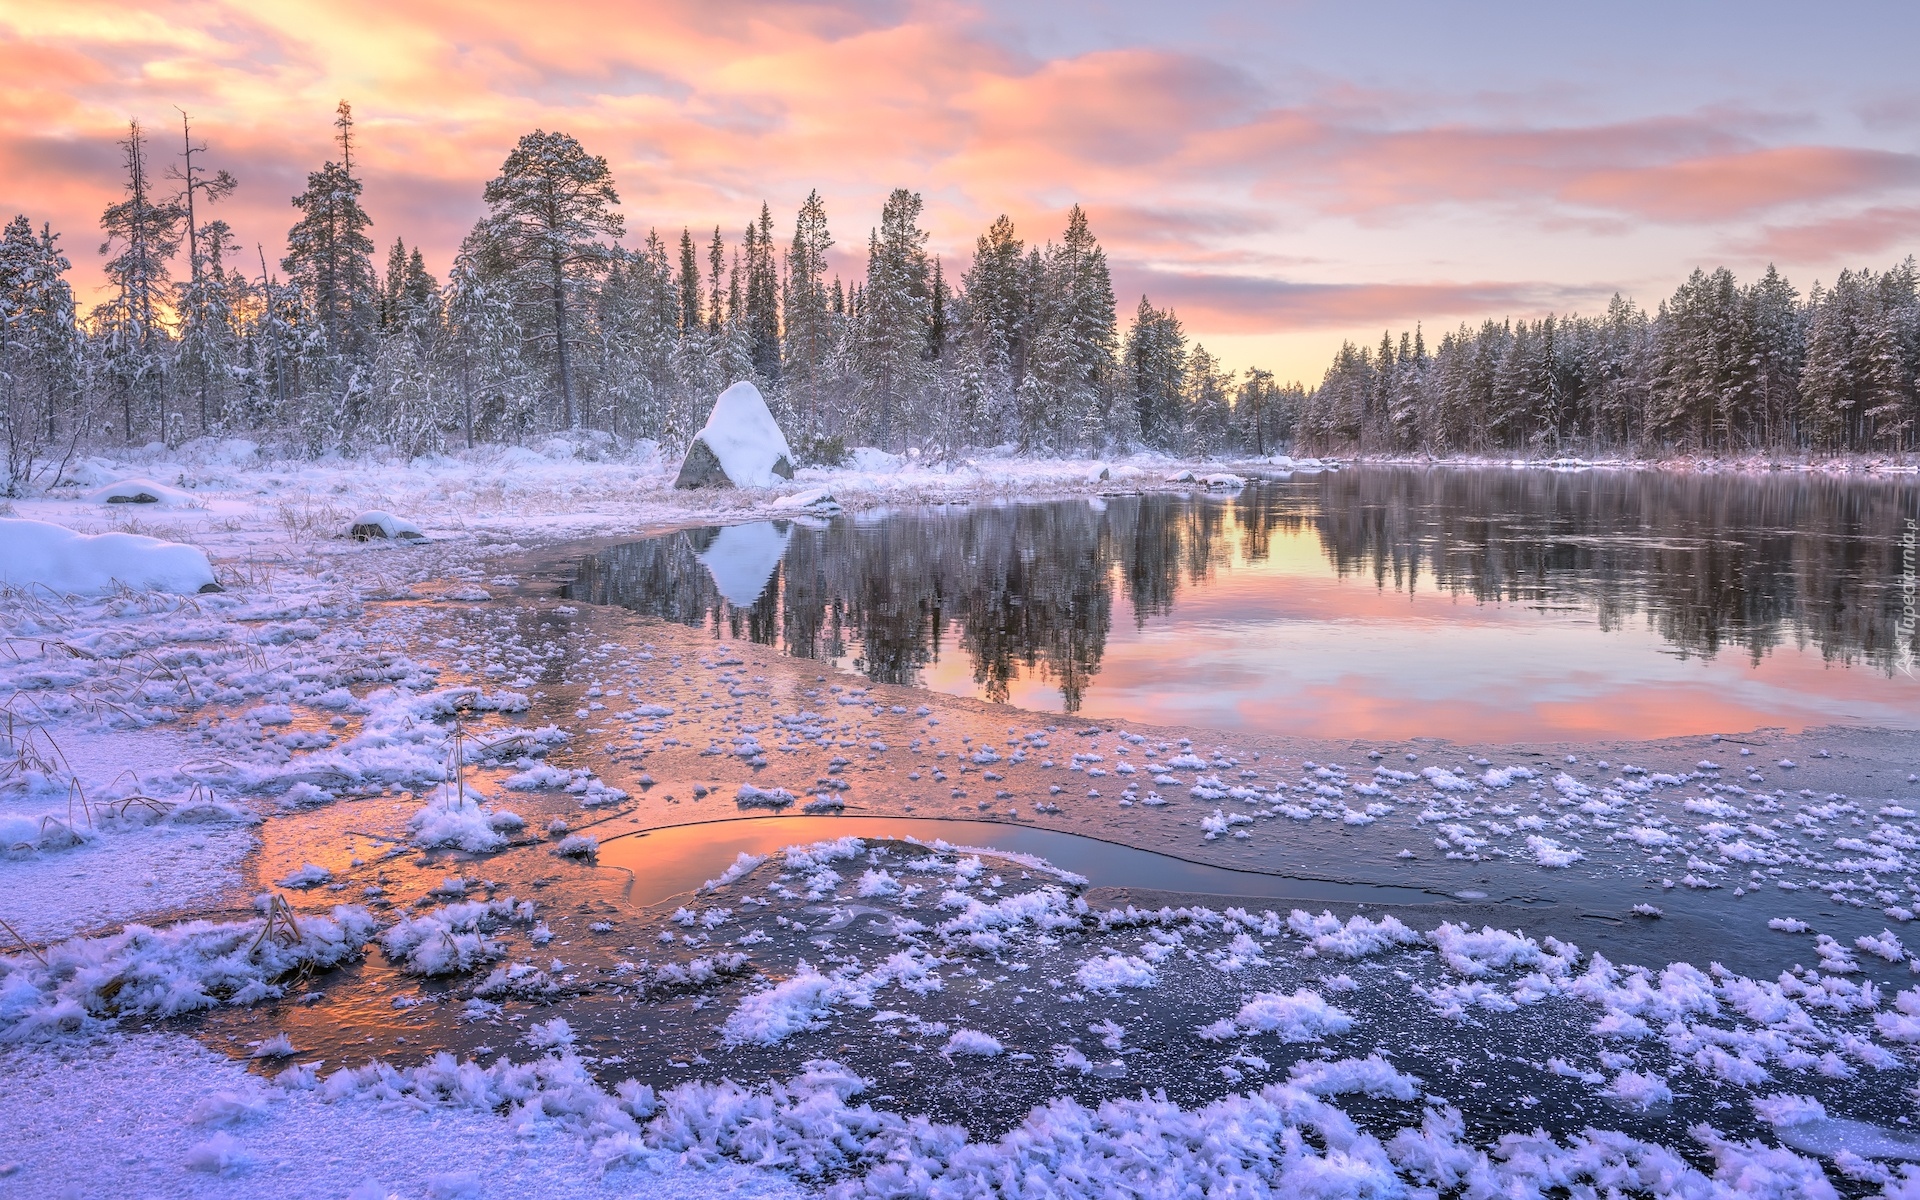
<point x="1370" y="602"/>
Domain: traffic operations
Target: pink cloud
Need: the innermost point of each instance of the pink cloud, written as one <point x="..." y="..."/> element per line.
<point x="1249" y="304"/>
<point x="1835" y="239"/>
<point x="1720" y="186"/>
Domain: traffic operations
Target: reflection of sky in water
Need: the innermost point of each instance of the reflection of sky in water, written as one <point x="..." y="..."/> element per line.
<point x="1285" y="646"/>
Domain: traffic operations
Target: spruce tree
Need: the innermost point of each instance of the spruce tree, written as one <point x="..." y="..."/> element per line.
<point x="212" y="313"/>
<point x="689" y="284"/>
<point x="1154" y="363"/>
<point x="40" y="369"/>
<point x="763" y="298"/>
<point x="810" y="312"/>
<point x="997" y="306"/>
<point x="895" y="312"/>
<point x="716" y="259"/>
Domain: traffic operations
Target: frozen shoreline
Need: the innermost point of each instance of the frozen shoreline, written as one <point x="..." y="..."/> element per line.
<point x="275" y="681"/>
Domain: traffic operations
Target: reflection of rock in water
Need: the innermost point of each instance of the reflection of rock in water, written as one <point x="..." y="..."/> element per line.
<point x="1710" y="561"/>
<point x="742" y="558"/>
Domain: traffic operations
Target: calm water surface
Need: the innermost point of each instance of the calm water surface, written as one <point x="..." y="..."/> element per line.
<point x="1387" y="602"/>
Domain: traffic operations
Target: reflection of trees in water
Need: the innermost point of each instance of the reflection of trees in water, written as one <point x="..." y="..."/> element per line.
<point x="1710" y="561"/>
<point x="1029" y="589"/>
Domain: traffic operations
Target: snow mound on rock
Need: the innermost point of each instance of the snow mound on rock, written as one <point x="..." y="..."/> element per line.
<point x="740" y="446"/>
<point x="138" y="491"/>
<point x="37" y="554"/>
<point x="812" y="500"/>
<point x="377" y="524"/>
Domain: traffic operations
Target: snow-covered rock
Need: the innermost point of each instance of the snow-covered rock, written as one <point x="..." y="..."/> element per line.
<point x="138" y="491"/>
<point x="37" y="554"/>
<point x="1224" y="481"/>
<point x="370" y="525"/>
<point x="740" y="446"/>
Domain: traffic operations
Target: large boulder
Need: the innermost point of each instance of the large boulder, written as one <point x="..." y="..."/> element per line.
<point x="741" y="445"/>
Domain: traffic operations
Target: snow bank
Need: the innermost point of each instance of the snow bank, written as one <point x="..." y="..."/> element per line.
<point x="817" y="501"/>
<point x="740" y="446"/>
<point x="1286" y="1139"/>
<point x="37" y="554"/>
<point x="110" y="1120"/>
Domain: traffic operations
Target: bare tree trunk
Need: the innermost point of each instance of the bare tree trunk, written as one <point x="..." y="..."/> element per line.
<point x="560" y="339"/>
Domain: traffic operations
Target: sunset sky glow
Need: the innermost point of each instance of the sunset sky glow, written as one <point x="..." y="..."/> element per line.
<point x="1283" y="175"/>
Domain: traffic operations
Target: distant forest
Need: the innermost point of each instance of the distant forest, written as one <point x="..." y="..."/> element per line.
<point x="552" y="320"/>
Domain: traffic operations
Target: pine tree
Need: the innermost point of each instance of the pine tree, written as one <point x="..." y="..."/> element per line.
<point x="996" y="289"/>
<point x="206" y="302"/>
<point x="550" y="218"/>
<point x="1405" y="409"/>
<point x="496" y="385"/>
<point x="1829" y="382"/>
<point x="1778" y="349"/>
<point x="212" y="341"/>
<point x="1086" y="288"/>
<point x="330" y="257"/>
<point x="145" y="231"/>
<point x="940" y="299"/>
<point x="1208" y="403"/>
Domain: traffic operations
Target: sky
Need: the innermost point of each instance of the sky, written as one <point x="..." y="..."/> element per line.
<point x="1285" y="176"/>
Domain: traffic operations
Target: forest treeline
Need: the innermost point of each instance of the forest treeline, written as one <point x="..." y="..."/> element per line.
<point x="552" y="319"/>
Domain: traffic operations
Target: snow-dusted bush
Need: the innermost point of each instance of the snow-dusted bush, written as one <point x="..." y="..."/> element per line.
<point x="143" y="971"/>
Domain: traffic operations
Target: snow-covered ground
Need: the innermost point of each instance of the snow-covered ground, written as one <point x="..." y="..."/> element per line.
<point x="423" y="757"/>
